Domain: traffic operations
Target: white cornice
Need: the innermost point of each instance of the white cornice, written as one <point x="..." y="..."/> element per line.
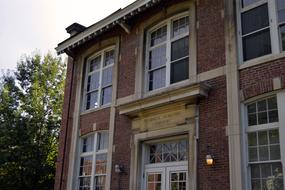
<point x="105" y="24"/>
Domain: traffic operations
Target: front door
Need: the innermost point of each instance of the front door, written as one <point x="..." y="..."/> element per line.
<point x="167" y="178"/>
<point x="166" y="166"/>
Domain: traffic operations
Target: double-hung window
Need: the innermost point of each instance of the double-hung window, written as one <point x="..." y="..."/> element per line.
<point x="167" y="55"/>
<point x="265" y="167"/>
<point x="98" y="82"/>
<point x="262" y="27"/>
<point x="93" y="161"/>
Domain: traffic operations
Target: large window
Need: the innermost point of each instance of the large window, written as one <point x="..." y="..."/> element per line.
<point x="262" y="27"/>
<point x="98" y="82"/>
<point x="167" y="55"/>
<point x="93" y="161"/>
<point x="263" y="144"/>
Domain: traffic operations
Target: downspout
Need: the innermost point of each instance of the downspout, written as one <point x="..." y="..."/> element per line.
<point x="67" y="123"/>
<point x="197" y="117"/>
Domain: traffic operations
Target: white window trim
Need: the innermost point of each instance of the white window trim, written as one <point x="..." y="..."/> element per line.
<point x="100" y="87"/>
<point x="247" y="129"/>
<point x="276" y="48"/>
<point x="94" y="154"/>
<point x="168" y="41"/>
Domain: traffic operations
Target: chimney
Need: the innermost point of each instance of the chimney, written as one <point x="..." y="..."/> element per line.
<point x="75" y="28"/>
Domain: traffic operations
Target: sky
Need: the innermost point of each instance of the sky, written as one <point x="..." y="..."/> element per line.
<point x="28" y="26"/>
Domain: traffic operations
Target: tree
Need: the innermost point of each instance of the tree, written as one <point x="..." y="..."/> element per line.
<point x="30" y="116"/>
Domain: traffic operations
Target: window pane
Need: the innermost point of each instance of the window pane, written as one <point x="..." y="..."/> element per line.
<point x="157" y="57"/>
<point x="252" y="154"/>
<point x="92" y="100"/>
<point x="180" y="48"/>
<point x="86" y="166"/>
<point x="262" y="138"/>
<point x="265" y="170"/>
<point x="95" y="64"/>
<point x="272" y="103"/>
<point x="274" y="136"/>
<point x="103" y="140"/>
<point x="179" y="70"/>
<point x="256" y="45"/>
<point x="158" y="36"/>
<point x="100" y="182"/>
<point x="180" y="26"/>
<point x="255" y="19"/>
<point x="262" y="118"/>
<point x="252" y="140"/>
<point x="281" y="10"/>
<point x="248" y="2"/>
<point x="107" y="76"/>
<point x="157" y="79"/>
<point x="255" y="171"/>
<point x="109" y="58"/>
<point x="261" y="105"/>
<point x="88" y="144"/>
<point x="275" y="152"/>
<point x="84" y="183"/>
<point x="282" y="36"/>
<point x="252" y="119"/>
<point x="101" y="161"/>
<point x="251" y="108"/>
<point x="93" y="82"/>
<point x="263" y="153"/>
<point x="106" y="95"/>
<point x="154" y="182"/>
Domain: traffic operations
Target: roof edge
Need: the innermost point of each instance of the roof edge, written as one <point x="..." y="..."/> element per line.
<point x="105" y="24"/>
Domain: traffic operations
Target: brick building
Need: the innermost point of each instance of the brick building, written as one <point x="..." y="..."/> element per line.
<point x="159" y="89"/>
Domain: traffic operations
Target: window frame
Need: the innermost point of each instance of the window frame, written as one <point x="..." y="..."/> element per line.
<point x="100" y="86"/>
<point x="276" y="44"/>
<point x="259" y="128"/>
<point x="94" y="155"/>
<point x="168" y="23"/>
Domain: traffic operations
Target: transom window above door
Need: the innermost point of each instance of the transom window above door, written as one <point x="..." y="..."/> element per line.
<point x="98" y="80"/>
<point x="173" y="151"/>
<point x="167" y="55"/>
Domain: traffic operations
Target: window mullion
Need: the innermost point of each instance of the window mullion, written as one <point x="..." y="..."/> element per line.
<point x="272" y="13"/>
<point x="100" y="80"/>
<point x="94" y="161"/>
<point x="168" y="53"/>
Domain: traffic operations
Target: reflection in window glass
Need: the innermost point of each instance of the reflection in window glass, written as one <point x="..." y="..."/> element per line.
<point x="282" y="36"/>
<point x="255" y="19"/>
<point x="248" y="2"/>
<point x="154" y="181"/>
<point x="281" y="10"/>
<point x="157" y="78"/>
<point x="256" y="45"/>
<point x="180" y="26"/>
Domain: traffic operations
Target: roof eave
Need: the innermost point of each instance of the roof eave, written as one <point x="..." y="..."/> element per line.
<point x="105" y="24"/>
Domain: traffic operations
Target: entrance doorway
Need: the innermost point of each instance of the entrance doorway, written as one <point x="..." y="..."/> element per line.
<point x="166" y="165"/>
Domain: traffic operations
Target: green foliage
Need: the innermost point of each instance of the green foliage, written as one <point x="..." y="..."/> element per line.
<point x="30" y="116"/>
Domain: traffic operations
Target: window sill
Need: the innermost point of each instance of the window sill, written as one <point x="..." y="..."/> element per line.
<point x="95" y="109"/>
<point x="261" y="60"/>
<point x="168" y="88"/>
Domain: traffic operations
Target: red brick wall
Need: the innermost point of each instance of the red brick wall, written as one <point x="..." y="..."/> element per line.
<point x="101" y="118"/>
<point x="213" y="139"/>
<point x="258" y="80"/>
<point x="66" y="128"/>
<point x="122" y="154"/>
<point x="210" y="35"/>
<point x="127" y="65"/>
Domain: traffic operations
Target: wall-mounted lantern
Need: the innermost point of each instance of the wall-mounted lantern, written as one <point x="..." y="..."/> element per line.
<point x="209" y="160"/>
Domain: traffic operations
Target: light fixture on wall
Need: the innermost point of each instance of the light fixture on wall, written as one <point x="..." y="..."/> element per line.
<point x="119" y="168"/>
<point x="209" y="160"/>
